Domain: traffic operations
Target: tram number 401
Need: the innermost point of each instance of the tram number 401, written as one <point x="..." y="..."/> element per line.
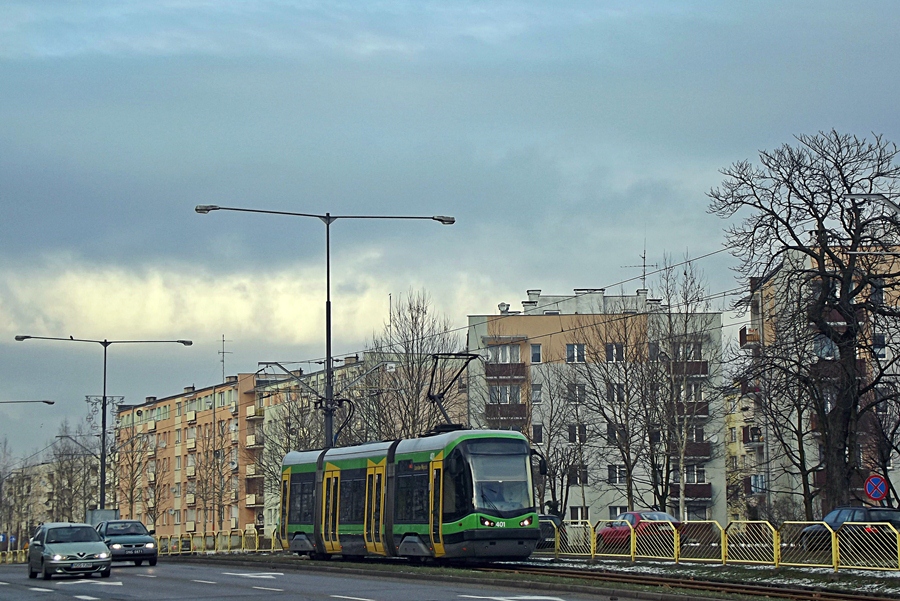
<point x="501" y="524"/>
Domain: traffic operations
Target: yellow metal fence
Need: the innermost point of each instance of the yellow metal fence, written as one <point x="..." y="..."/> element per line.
<point x="862" y="546"/>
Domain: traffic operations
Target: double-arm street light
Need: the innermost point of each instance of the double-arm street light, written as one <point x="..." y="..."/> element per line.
<point x="105" y="344"/>
<point x="328" y="402"/>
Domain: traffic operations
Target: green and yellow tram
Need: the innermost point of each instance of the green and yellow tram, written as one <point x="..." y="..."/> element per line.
<point x="450" y="495"/>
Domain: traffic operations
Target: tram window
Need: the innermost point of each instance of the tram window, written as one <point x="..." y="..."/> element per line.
<point x="412" y="498"/>
<point x="353" y="498"/>
<point x="457" y="487"/>
<point x="301" y="500"/>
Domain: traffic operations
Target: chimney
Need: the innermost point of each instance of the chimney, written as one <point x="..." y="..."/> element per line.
<point x="189" y="388"/>
<point x="150" y="399"/>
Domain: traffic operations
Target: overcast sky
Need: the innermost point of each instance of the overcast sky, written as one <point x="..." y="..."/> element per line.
<point x="562" y="136"/>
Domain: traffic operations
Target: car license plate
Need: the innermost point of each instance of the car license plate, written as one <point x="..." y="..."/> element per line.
<point x="130" y="552"/>
<point x="82" y="565"/>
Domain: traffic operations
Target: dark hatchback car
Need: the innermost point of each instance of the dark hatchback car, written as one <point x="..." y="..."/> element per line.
<point x="550" y="525"/>
<point x="817" y="536"/>
<point x="129" y="540"/>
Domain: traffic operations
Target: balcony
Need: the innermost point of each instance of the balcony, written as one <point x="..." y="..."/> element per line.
<point x="504" y="371"/>
<point x="190" y="471"/>
<point x="701" y="492"/>
<point x="253" y="500"/>
<point x="151" y="426"/>
<point x="235" y="437"/>
<point x="189" y="498"/>
<point x="150" y="504"/>
<point x="252" y="471"/>
<point x="752" y="436"/>
<point x="191" y="444"/>
<point x="698" y="450"/>
<point x="254" y="412"/>
<point x="191" y="416"/>
<point x="151" y="476"/>
<point x="506" y="416"/>
<point x="233" y="408"/>
<point x="749" y="338"/>
<point x="693" y="410"/>
<point x="690" y="369"/>
<point x="254" y="441"/>
<point x="190" y="526"/>
<point x="232" y="496"/>
<point x="151" y="452"/>
<point x="234" y="523"/>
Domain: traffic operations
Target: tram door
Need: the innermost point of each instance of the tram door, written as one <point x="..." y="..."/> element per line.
<point x="374" y="506"/>
<point x="436" y="497"/>
<point x="331" y="487"/>
<point x="285" y="503"/>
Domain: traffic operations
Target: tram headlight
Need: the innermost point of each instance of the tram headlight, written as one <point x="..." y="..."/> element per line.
<point x="526" y="522"/>
<point x="487" y="522"/>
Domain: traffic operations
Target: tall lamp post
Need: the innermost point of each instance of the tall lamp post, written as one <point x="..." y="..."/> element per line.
<point x="45" y="402"/>
<point x="328" y="405"/>
<point x="105" y="344"/>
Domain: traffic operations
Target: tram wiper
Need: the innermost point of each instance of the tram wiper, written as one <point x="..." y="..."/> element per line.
<point x="488" y="502"/>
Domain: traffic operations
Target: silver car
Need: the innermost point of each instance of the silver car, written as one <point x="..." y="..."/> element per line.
<point x="67" y="548"/>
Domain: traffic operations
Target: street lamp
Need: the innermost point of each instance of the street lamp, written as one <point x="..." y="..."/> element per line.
<point x="45" y="402"/>
<point x="329" y="403"/>
<point x="105" y="344"/>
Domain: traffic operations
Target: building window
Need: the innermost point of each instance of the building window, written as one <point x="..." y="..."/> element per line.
<point x="615" y="393"/>
<point x="732" y="434"/>
<point x="697" y="513"/>
<point x="535" y="353"/>
<point x="575" y="393"/>
<point x="692" y="392"/>
<point x="688" y="351"/>
<point x="695" y="434"/>
<point x="574" y="353"/>
<point x="732" y="462"/>
<point x="617" y="510"/>
<point x="580" y="513"/>
<point x="577" y="432"/>
<point x="653" y="351"/>
<point x="537" y="434"/>
<point x="757" y="484"/>
<point x="505" y="395"/>
<point x="617" y="474"/>
<point x="177" y="491"/>
<point x="177" y="462"/>
<point x="615" y="352"/>
<point x="536" y="394"/>
<point x="825" y="348"/>
<point x="578" y="475"/>
<point x="693" y="474"/>
<point x="178" y="436"/>
<point x="878" y="345"/>
<point x="503" y="353"/>
<point x="615" y="433"/>
<point x="177" y="409"/>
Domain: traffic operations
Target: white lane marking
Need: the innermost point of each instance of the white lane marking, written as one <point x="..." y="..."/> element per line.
<point x="41" y="590"/>
<point x="516" y="598"/>
<point x="87" y="598"/>
<point x="4" y="583"/>
<point x="204" y="581"/>
<point x="267" y="575"/>
<point x="146" y="575"/>
<point x="97" y="582"/>
<point x="352" y="598"/>
<point x="265" y="588"/>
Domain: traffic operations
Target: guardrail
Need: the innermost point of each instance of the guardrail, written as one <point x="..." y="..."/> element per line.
<point x="855" y="545"/>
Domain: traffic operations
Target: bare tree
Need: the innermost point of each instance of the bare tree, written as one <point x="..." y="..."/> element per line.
<point x="132" y="455"/>
<point x="72" y="474"/>
<point x="212" y="482"/>
<point x="393" y="403"/>
<point x="157" y="490"/>
<point x="808" y="211"/>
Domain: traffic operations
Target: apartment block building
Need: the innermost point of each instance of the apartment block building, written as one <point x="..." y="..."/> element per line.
<point x="617" y="393"/>
<point x="189" y="463"/>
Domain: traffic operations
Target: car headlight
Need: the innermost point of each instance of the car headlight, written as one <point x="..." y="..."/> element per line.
<point x="57" y="557"/>
<point x="149" y="545"/>
<point x="116" y="546"/>
<point x="525" y="522"/>
<point x="103" y="555"/>
<point x="487" y="522"/>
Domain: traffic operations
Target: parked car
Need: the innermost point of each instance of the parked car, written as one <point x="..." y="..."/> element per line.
<point x="129" y="540"/>
<point x="550" y="525"/>
<point x="816" y="537"/>
<point x="67" y="548"/>
<point x="643" y="523"/>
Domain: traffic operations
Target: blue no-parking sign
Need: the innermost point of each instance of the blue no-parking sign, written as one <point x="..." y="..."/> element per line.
<point x="876" y="487"/>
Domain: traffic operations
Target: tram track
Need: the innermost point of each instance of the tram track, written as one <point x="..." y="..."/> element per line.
<point x="686" y="585"/>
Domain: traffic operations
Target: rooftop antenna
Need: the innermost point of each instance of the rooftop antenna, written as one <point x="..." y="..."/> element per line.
<point x="644" y="265"/>
<point x="223" y="352"/>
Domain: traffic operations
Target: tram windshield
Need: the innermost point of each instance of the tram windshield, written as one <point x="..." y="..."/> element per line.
<point x="502" y="477"/>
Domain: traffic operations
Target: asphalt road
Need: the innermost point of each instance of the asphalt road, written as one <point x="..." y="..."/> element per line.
<point x="178" y="581"/>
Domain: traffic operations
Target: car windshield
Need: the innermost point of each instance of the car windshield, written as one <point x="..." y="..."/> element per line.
<point x="880" y="515"/>
<point x="657" y="516"/>
<point x="501" y="482"/>
<point x="72" y="534"/>
<point x="125" y="528"/>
